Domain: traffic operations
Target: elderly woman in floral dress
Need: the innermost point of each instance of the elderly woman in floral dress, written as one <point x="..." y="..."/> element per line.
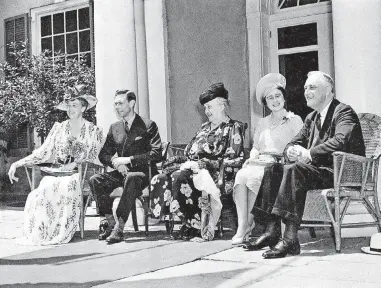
<point x="179" y="189"/>
<point x="51" y="213"/>
<point x="271" y="135"/>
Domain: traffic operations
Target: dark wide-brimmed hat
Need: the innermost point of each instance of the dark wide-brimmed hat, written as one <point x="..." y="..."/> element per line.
<point x="375" y="245"/>
<point x="214" y="91"/>
<point x="267" y="84"/>
<point x="76" y="92"/>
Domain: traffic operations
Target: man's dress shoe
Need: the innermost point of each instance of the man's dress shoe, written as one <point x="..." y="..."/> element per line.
<point x="283" y="248"/>
<point x="263" y="241"/>
<point x="104" y="230"/>
<point x="115" y="237"/>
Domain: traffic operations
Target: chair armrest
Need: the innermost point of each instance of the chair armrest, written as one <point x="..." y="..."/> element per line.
<point x="352" y="157"/>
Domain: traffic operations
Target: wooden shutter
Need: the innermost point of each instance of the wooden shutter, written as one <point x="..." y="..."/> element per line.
<point x="92" y="43"/>
<point x="16" y="30"/>
<point x="20" y="137"/>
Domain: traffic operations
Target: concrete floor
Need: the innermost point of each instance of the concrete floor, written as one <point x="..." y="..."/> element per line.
<point x="317" y="266"/>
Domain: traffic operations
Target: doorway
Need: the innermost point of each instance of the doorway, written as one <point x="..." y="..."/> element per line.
<point x="299" y="45"/>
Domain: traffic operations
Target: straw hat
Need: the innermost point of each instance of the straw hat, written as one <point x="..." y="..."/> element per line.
<point x="267" y="84"/>
<point x="76" y="92"/>
<point x="375" y="245"/>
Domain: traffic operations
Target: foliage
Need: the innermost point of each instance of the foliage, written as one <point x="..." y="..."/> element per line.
<point x="33" y="85"/>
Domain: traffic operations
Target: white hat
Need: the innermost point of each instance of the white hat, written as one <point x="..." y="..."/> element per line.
<point x="267" y="84"/>
<point x="75" y="93"/>
<point x="375" y="245"/>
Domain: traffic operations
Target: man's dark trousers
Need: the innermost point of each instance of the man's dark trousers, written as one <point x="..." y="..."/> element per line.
<point x="103" y="185"/>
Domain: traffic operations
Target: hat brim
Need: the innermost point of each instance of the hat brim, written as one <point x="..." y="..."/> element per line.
<point x="91" y="100"/>
<point x="268" y="83"/>
<point x="368" y="251"/>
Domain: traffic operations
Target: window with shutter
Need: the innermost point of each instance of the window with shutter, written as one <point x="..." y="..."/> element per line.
<point x="16" y="31"/>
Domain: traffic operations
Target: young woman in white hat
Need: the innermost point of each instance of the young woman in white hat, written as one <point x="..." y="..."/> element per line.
<point x="51" y="213"/>
<point x="271" y="136"/>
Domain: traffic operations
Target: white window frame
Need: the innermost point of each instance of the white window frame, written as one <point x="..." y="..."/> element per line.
<point x="37" y="13"/>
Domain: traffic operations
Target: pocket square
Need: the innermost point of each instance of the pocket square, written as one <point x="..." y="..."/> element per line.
<point x="138" y="138"/>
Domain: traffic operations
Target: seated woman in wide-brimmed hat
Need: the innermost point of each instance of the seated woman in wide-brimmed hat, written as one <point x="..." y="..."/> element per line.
<point x="271" y="135"/>
<point x="52" y="210"/>
<point x="184" y="187"/>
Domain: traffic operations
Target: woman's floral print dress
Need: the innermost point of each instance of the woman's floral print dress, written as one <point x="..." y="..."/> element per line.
<point x="51" y="213"/>
<point x="176" y="193"/>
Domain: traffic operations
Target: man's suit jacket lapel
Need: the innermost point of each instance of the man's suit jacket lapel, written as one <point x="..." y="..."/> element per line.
<point x="326" y="125"/>
<point x="312" y="130"/>
<point x="135" y="130"/>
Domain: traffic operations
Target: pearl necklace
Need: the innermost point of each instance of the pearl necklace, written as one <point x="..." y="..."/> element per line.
<point x="277" y="123"/>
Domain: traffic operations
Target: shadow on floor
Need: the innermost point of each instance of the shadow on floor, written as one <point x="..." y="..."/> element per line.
<point x="46" y="260"/>
<point x="55" y="285"/>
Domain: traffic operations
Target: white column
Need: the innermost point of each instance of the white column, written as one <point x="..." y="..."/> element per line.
<point x="141" y="59"/>
<point x="159" y="100"/>
<point x="357" y="46"/>
<point x="115" y="54"/>
<point x="257" y="14"/>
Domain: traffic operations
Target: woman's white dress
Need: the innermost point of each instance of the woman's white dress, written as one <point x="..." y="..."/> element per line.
<point x="268" y="138"/>
<point x="52" y="211"/>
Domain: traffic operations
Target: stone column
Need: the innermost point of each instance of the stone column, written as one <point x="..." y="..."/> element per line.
<point x="357" y="46"/>
<point x="115" y="54"/>
<point x="141" y="59"/>
<point x="257" y="14"/>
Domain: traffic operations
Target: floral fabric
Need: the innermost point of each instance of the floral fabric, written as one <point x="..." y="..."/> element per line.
<point x="51" y="213"/>
<point x="175" y="193"/>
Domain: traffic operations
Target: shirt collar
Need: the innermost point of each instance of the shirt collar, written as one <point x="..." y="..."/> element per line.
<point x="323" y="112"/>
<point x="129" y="121"/>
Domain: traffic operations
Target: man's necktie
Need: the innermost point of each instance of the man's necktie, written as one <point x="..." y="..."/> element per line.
<point x="126" y="127"/>
<point x="318" y="121"/>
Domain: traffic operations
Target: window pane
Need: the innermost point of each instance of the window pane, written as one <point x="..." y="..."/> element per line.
<point x="59" y="44"/>
<point x="84" y="20"/>
<point x="72" y="43"/>
<point x="288" y="3"/>
<point x="306" y="2"/>
<point x="84" y="41"/>
<point x="46" y="44"/>
<point x="59" y="61"/>
<point x="72" y="57"/>
<point x="46" y="26"/>
<point x="295" y="68"/>
<point x="86" y="58"/>
<point x="297" y="36"/>
<point x="58" y="23"/>
<point x="71" y="20"/>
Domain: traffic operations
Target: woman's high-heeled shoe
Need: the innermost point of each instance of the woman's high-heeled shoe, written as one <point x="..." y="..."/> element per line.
<point x="237" y="240"/>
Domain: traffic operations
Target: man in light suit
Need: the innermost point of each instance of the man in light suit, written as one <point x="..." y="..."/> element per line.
<point x="332" y="126"/>
<point x="130" y="144"/>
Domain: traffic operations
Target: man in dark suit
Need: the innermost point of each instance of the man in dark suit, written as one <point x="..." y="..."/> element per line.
<point x="130" y="144"/>
<point x="332" y="126"/>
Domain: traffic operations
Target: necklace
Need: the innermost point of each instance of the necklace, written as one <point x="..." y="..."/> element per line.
<point x="273" y="125"/>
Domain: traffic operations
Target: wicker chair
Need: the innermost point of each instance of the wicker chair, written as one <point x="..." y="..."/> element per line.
<point x="355" y="179"/>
